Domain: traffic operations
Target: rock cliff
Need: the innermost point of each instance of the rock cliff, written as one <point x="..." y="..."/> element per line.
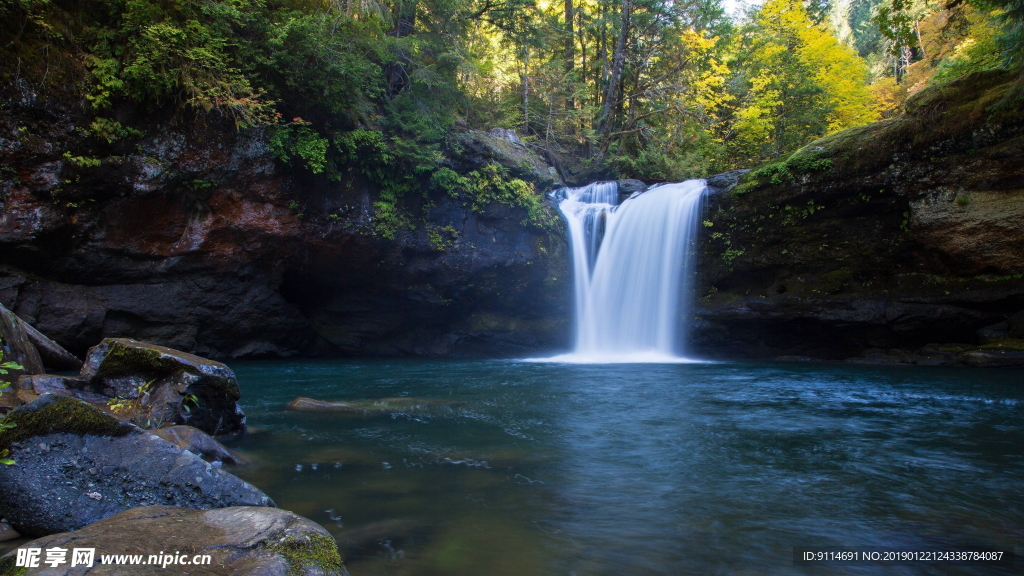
<point x="198" y="239"/>
<point x="893" y="235"/>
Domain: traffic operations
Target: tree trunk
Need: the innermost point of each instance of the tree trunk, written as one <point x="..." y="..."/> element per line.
<point x="570" y="52"/>
<point x="615" y="77"/>
<point x="526" y="90"/>
<point x="405" y="24"/>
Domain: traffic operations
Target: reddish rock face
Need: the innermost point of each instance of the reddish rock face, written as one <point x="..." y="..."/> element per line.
<point x="199" y="240"/>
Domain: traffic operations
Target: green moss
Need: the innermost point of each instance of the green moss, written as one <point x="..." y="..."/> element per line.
<point x="803" y="161"/>
<point x="1009" y="344"/>
<point x="308" y="551"/>
<point x="492" y="184"/>
<point x="60" y="415"/>
<point x="124" y="360"/>
<point x="8" y="568"/>
<point x="941" y="112"/>
<point x="150" y="362"/>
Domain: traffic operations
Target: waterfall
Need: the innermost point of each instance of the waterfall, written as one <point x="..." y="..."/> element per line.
<point x="632" y="267"/>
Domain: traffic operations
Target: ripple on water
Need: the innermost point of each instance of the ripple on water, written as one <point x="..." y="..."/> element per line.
<point x="641" y="468"/>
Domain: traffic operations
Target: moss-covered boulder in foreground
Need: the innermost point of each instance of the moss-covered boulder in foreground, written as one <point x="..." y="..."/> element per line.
<point x="241" y="541"/>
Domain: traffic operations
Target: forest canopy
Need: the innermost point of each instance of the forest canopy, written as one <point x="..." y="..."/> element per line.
<point x="652" y="89"/>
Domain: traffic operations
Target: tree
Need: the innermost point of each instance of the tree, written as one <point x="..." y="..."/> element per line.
<point x="802" y="84"/>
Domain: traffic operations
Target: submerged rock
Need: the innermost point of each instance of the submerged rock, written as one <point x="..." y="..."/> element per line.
<point x="370" y="407"/>
<point x="76" y="465"/>
<point x="175" y="387"/>
<point x="7" y="532"/>
<point x="993" y="357"/>
<point x="368" y="540"/>
<point x="199" y="443"/>
<point x="241" y="541"/>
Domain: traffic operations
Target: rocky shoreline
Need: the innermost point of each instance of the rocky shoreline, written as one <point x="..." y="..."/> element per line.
<point x="123" y="457"/>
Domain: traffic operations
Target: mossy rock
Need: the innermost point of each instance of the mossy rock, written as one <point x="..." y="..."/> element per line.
<point x="940" y="112"/>
<point x="166" y="386"/>
<point x="8" y="567"/>
<point x="53" y="414"/>
<point x="117" y="359"/>
<point x="62" y="445"/>
<point x="241" y="541"/>
<point x="317" y="553"/>
<point x="1009" y="344"/>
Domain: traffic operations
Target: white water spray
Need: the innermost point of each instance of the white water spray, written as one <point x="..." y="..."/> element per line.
<point x="632" y="265"/>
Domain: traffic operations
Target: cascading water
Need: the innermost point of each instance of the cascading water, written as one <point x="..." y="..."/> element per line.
<point x="632" y="266"/>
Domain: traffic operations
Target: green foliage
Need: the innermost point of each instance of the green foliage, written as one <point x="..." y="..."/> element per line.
<point x="82" y="161"/>
<point x="5" y="368"/>
<point x="492" y="184"/>
<point x="731" y="254"/>
<point x="642" y="88"/>
<point x="111" y="131"/>
<point x="979" y="51"/>
<point x="397" y="165"/>
<point x="448" y="180"/>
<point x="298" y="139"/>
<point x="786" y="171"/>
<point x="4" y="424"/>
<point x="803" y="84"/>
<point x="442" y="238"/>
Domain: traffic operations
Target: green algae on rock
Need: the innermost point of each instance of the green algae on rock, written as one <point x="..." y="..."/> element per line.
<point x="53" y="414"/>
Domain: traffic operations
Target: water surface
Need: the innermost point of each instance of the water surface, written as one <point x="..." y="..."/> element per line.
<point x="543" y="468"/>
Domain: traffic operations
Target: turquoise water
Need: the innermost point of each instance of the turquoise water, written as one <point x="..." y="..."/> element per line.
<point x="523" y="468"/>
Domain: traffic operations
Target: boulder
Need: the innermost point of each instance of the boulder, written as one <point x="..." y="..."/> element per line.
<point x="627" y="187"/>
<point x="997" y="331"/>
<point x="199" y="443"/>
<point x="367" y="541"/>
<point x="17" y="347"/>
<point x="7" y="532"/>
<point x="504" y="147"/>
<point x="1016" y="325"/>
<point x="53" y="355"/>
<point x="63" y="385"/>
<point x="171" y="387"/>
<point x="76" y="464"/>
<point x="240" y="541"/>
<point x="725" y="181"/>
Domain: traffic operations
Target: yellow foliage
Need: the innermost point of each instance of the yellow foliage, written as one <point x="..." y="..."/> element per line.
<point x="888" y="96"/>
<point x="841" y="73"/>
